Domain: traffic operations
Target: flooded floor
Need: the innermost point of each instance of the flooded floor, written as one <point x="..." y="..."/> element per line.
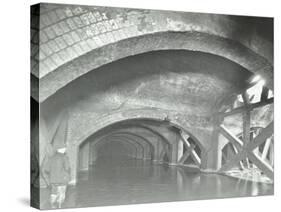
<point x="129" y="181"/>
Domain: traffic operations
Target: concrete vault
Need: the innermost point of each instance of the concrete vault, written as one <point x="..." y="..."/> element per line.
<point x="171" y="90"/>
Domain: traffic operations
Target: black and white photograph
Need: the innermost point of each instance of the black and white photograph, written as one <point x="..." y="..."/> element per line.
<point x="143" y="106"/>
<point x="138" y="106"/>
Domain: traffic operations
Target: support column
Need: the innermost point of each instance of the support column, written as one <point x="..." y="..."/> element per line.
<point x="72" y="152"/>
<point x="180" y="149"/>
<point x="84" y="158"/>
<point x="271" y="153"/>
<point x="91" y="155"/>
<point x="246" y="125"/>
<point x="146" y="152"/>
<point x="157" y="151"/>
<point x="211" y="158"/>
<point x="174" y="154"/>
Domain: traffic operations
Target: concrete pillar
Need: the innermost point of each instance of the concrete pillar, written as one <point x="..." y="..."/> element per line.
<point x="211" y="158"/>
<point x="246" y="132"/>
<point x="94" y="154"/>
<point x="157" y="151"/>
<point x="84" y="157"/>
<point x="72" y="152"/>
<point x="91" y="154"/>
<point x="146" y="149"/>
<point x="174" y="154"/>
<point x="271" y="153"/>
<point x="180" y="149"/>
<point x="139" y="150"/>
<point x="153" y="141"/>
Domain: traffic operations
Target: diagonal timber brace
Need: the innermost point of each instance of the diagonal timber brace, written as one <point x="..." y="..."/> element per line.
<point x="193" y="153"/>
<point x="247" y="151"/>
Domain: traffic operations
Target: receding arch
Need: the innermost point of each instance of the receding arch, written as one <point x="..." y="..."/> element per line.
<point x="142" y="141"/>
<point x="148" y="115"/>
<point x="132" y="136"/>
<point x="200" y="135"/>
<point x="136" y="147"/>
<point x="142" y="114"/>
<point x="140" y="150"/>
<point x="124" y="132"/>
<point x="119" y="136"/>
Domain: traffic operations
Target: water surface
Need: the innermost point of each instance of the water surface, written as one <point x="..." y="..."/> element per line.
<point x="129" y="181"/>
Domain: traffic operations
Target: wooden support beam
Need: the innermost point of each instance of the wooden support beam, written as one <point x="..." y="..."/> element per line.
<point x="264" y="94"/>
<point x="248" y="107"/>
<point x="246" y="127"/>
<point x="262" y="165"/>
<point x="236" y="151"/>
<point x="194" y="155"/>
<point x="184" y="157"/>
<point x="246" y="118"/>
<point x="184" y="137"/>
<point x="266" y="148"/>
<point x="186" y="154"/>
<point x="249" y="147"/>
<point x="246" y="99"/>
<point x="236" y="142"/>
<point x="246" y="130"/>
<point x="264" y="134"/>
<point x="196" y="158"/>
<point x="271" y="154"/>
<point x="254" y="134"/>
<point x="232" y="138"/>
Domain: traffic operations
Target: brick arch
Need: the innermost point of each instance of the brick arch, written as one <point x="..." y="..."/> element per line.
<point x="191" y="41"/>
<point x="84" y="38"/>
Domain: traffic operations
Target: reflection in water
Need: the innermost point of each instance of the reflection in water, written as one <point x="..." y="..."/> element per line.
<point x="127" y="181"/>
<point x="252" y="174"/>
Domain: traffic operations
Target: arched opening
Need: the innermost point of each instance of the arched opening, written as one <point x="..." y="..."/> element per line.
<point x="138" y="153"/>
<point x="152" y="140"/>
